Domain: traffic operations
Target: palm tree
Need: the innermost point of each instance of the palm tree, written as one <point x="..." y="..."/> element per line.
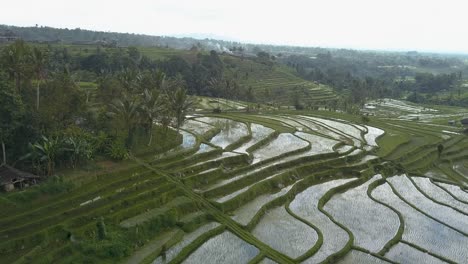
<point x="15" y="61"/>
<point x="151" y="107"/>
<point x="126" y="109"/>
<point x="215" y="86"/>
<point x="180" y="103"/>
<point x="39" y="63"/>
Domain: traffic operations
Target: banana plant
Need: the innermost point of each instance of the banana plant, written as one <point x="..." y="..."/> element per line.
<point x="79" y="150"/>
<point x="46" y="152"/>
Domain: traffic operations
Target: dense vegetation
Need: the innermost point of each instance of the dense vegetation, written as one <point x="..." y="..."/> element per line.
<point x="50" y="118"/>
<point x="346" y="174"/>
<point x="370" y="76"/>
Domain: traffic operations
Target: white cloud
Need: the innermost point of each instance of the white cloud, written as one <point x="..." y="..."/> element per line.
<point x="371" y="24"/>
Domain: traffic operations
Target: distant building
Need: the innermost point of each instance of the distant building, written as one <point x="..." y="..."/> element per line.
<point x="452" y="122"/>
<point x="11" y="178"/>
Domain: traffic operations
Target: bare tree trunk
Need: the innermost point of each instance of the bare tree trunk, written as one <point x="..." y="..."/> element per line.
<point x="151" y="134"/>
<point x="4" y="153"/>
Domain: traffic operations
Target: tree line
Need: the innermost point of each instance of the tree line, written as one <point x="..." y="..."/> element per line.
<point x="47" y="119"/>
<point x="358" y="76"/>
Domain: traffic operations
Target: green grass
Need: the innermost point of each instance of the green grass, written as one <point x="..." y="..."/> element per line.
<point x="389" y="141"/>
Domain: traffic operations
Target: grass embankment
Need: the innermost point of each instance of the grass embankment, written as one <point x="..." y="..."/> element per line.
<point x="46" y="213"/>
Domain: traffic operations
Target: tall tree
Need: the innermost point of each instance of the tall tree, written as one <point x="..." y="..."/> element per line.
<point x="39" y="65"/>
<point x="180" y="104"/>
<point x="151" y="107"/>
<point x="126" y="110"/>
<point x="11" y="112"/>
<point x="15" y="60"/>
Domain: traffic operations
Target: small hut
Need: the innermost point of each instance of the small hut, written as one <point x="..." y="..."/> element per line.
<point x="11" y="178"/>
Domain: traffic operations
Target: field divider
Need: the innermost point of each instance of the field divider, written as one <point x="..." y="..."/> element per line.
<point x="318" y="244"/>
<point x="432" y="199"/>
<point x="257" y="258"/>
<point x="323" y="200"/>
<point x="446" y="190"/>
<point x="401" y="228"/>
<point x="427" y="251"/>
<point x="375" y="255"/>
<point x="422" y="212"/>
<point x="222" y="218"/>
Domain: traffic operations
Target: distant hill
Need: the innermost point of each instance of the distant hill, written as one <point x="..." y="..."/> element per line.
<point x="83" y="36"/>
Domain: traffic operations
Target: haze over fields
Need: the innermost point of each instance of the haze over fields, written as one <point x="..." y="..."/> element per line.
<point x="362" y="24"/>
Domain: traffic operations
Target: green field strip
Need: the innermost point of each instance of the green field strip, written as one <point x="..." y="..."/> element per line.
<point x="413" y="144"/>
<point x="146" y="216"/>
<point x="190" y="160"/>
<point x="447" y="168"/>
<point x="237" y="159"/>
<point x="62" y="204"/>
<point x="188" y="242"/>
<point x="58" y="216"/>
<point x="432" y="135"/>
<point x="204" y="178"/>
<point x="153" y="248"/>
<point x="83" y="222"/>
<point x="106" y="179"/>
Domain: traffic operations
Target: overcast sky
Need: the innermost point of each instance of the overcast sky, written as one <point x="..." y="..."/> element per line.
<point x="364" y="24"/>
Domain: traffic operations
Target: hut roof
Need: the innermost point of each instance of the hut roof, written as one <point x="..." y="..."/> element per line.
<point x="464" y="121"/>
<point x="9" y="174"/>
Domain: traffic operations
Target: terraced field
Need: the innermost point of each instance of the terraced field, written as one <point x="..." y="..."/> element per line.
<point x="316" y="187"/>
<point x="278" y="84"/>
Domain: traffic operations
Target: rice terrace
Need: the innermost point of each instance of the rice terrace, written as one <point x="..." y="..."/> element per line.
<point x="134" y="148"/>
<point x="273" y="187"/>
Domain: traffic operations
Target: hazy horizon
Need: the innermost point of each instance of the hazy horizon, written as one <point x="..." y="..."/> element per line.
<point x="426" y="26"/>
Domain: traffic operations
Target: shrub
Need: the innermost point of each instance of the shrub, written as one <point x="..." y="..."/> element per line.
<point x="115" y="246"/>
<point x="117" y="149"/>
<point x="55" y="185"/>
<point x="101" y="229"/>
<point x="365" y="119"/>
<point x="78" y="149"/>
<point x="101" y="143"/>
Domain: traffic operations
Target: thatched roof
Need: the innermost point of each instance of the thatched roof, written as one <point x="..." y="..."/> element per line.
<point x="9" y="175"/>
